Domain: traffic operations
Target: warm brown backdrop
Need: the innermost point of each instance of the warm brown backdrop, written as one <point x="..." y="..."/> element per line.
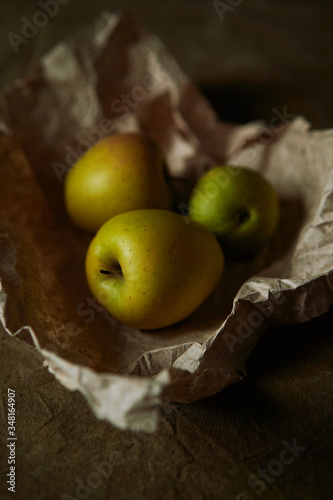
<point x="265" y="55"/>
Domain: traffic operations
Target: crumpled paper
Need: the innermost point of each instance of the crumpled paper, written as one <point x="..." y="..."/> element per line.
<point x="114" y="77"/>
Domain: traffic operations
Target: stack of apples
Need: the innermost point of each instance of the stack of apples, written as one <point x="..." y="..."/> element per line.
<point x="148" y="265"/>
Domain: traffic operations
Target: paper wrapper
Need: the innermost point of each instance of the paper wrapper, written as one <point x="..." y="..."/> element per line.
<point x="79" y="93"/>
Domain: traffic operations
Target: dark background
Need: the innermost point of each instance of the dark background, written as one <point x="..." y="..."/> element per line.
<point x="262" y="55"/>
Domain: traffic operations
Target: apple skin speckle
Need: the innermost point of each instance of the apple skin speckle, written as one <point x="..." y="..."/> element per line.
<point x="243" y="211"/>
<point x="166" y="287"/>
<point x="122" y="172"/>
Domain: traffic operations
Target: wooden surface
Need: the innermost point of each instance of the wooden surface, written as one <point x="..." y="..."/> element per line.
<point x="264" y="56"/>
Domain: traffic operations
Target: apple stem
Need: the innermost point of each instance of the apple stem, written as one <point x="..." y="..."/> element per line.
<point x="243" y="217"/>
<point x="116" y="271"/>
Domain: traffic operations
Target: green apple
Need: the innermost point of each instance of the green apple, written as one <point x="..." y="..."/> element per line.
<point x="121" y="172"/>
<point x="239" y="205"/>
<point x="152" y="268"/>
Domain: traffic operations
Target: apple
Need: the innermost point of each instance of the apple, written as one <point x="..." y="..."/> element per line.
<point x="121" y="172"/>
<point x="151" y="268"/>
<point x="238" y="205"/>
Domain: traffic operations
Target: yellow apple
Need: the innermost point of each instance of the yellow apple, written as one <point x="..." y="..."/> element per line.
<point x="239" y="205"/>
<point x="152" y="268"/>
<point x="121" y="172"/>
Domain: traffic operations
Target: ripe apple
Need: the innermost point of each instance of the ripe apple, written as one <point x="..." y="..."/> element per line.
<point x="239" y="205"/>
<point x="152" y="268"/>
<point x="121" y="172"/>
